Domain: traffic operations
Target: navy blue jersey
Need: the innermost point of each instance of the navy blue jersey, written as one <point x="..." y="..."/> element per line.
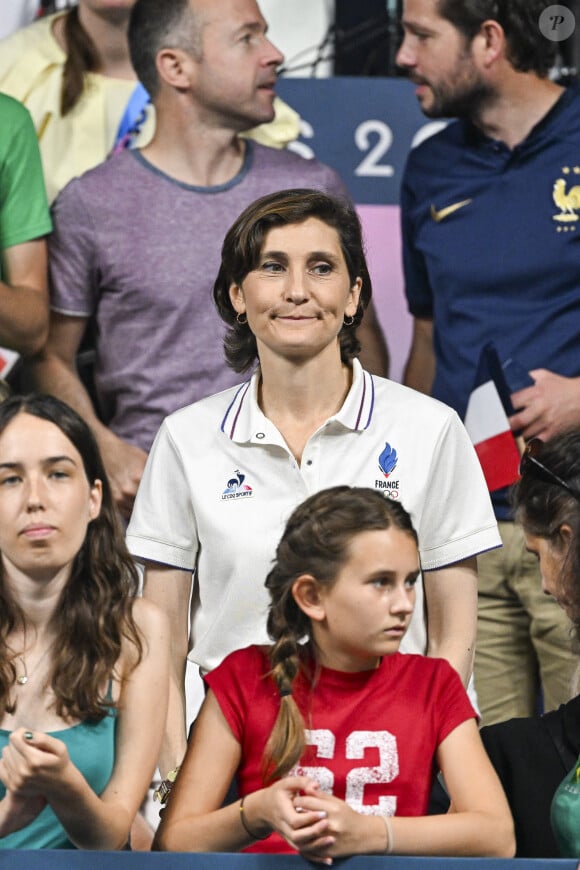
<point x="492" y="247"/>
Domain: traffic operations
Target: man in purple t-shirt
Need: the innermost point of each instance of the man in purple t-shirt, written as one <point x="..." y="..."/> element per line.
<point x="137" y="240"/>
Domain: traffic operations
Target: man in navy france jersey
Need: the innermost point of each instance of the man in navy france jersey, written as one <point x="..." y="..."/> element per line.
<point x="490" y="214"/>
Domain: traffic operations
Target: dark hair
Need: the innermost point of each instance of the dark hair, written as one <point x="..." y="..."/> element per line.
<point x="153" y="26"/>
<point x="542" y="506"/>
<point x="241" y="252"/>
<point x="315" y="541"/>
<point x="94" y="613"/>
<point x="528" y="48"/>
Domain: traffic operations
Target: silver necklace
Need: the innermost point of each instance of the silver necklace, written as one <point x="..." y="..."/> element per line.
<point x="22" y="679"/>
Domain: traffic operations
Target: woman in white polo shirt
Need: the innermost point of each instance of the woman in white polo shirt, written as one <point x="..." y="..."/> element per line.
<point x="225" y="473"/>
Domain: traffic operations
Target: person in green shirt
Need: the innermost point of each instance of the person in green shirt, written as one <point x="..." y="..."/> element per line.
<point x="24" y="223"/>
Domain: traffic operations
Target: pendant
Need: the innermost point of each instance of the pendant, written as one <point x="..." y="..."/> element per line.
<point x="22" y="680"/>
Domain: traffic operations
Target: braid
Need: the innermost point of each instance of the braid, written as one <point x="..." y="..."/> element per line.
<point x="286" y="625"/>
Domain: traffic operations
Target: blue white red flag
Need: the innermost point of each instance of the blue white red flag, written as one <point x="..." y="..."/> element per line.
<point x="8" y="359"/>
<point x="486" y="421"/>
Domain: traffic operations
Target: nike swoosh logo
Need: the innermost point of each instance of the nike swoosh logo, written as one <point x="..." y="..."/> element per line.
<point x="440" y="215"/>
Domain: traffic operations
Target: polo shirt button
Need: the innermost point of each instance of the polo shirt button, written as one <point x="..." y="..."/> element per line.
<point x="260" y="435"/>
<point x="309" y="462"/>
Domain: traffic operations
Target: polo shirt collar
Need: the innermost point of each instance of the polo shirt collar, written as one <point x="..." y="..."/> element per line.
<point x="357" y="410"/>
<point x="544" y="129"/>
<point x="245" y="422"/>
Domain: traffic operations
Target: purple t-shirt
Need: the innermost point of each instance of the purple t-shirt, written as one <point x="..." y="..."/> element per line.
<point x="141" y="251"/>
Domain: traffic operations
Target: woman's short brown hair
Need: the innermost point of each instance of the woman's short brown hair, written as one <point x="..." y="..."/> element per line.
<point x="243" y="245"/>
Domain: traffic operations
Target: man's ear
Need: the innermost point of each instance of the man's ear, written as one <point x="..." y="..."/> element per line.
<point x="173" y="66"/>
<point x="306" y="594"/>
<point x="489" y="45"/>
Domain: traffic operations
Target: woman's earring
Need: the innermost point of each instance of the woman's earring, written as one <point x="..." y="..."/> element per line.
<point x="348" y="321"/>
<point x="239" y="319"/>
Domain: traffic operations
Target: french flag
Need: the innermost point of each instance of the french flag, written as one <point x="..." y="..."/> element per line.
<point x="8" y="359"/>
<point x="486" y="421"/>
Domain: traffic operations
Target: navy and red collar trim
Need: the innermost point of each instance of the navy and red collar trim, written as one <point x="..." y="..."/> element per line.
<point x="243" y="416"/>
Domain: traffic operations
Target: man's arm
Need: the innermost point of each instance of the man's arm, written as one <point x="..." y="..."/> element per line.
<point x="55" y="372"/>
<point x="420" y="367"/>
<point x="24" y="297"/>
<point x="451" y="597"/>
<point x="169" y="588"/>
<point x="550" y="406"/>
<point x="374" y="354"/>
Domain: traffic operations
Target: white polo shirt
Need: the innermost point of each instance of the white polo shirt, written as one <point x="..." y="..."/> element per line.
<point x="220" y="484"/>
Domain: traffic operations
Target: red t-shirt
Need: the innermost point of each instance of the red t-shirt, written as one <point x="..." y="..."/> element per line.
<point x="372" y="735"/>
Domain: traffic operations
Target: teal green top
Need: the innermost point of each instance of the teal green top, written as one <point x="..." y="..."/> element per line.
<point x="91" y="747"/>
<point x="565" y="814"/>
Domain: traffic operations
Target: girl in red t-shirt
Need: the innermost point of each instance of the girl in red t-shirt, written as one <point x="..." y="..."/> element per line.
<point x="332" y="734"/>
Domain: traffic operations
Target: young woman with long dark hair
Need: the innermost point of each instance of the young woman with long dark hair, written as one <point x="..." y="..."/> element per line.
<point x="83" y="662"/>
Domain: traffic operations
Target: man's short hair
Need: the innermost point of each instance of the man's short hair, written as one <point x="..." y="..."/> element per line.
<point x="155" y="25"/>
<point x="528" y="48"/>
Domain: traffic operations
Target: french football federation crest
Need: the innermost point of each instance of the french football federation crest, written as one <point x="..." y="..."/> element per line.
<point x="566" y="198"/>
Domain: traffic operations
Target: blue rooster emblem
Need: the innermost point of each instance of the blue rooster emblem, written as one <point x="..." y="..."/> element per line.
<point x="388" y="459"/>
<point x="236" y="484"/>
